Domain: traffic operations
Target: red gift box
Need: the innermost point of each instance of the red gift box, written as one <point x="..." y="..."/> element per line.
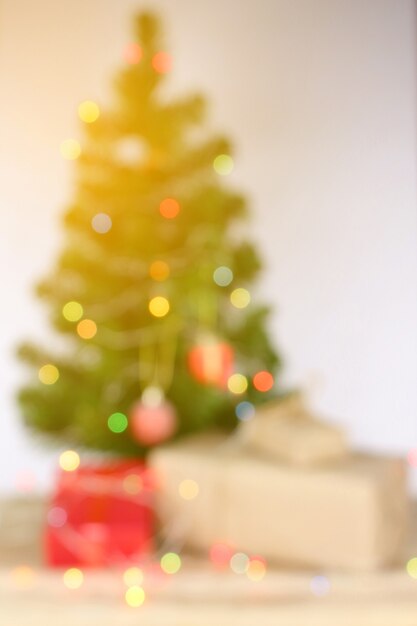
<point x="101" y="516"/>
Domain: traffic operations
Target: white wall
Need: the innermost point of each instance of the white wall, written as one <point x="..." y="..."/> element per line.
<point x="320" y="98"/>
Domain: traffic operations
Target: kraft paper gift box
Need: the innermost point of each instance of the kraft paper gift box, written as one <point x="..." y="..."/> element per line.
<point x="350" y="514"/>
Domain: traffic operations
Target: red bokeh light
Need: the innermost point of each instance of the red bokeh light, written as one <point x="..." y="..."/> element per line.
<point x="263" y="381"/>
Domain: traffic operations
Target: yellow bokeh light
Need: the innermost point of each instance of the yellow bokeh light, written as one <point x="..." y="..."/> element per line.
<point x="412" y="567"/>
<point x="256" y="570"/>
<point x="170" y="563"/>
<point x="188" y="489"/>
<point x="69" y="460"/>
<point x="72" y="311"/>
<point x="88" y="111"/>
<point x="135" y="596"/>
<point x="23" y="576"/>
<point x="237" y="383"/>
<point x="223" y="164"/>
<point x="70" y="149"/>
<point x="73" y="578"/>
<point x="159" y="306"/>
<point x="240" y="298"/>
<point x="87" y="329"/>
<point x="159" y="270"/>
<point x="133" y="576"/>
<point x="48" y="374"/>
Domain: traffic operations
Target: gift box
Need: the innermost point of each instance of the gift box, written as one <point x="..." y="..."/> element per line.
<point x="349" y="514"/>
<point x="100" y="516"/>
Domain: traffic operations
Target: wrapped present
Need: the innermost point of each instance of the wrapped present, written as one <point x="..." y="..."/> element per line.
<point x="350" y="514"/>
<point x="100" y="515"/>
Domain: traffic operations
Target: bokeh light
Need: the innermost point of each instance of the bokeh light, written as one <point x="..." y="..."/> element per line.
<point x="48" y="374"/>
<point x="412" y="567"/>
<point x="132" y="53"/>
<point x="133" y="484"/>
<point x="23" y="576"/>
<point x="87" y="329"/>
<point x="70" y="149"/>
<point x="72" y="311"/>
<point x="73" y="578"/>
<point x="135" y="596"/>
<point x="69" y="460"/>
<point x="223" y="276"/>
<point x="237" y="383"/>
<point x="159" y="306"/>
<point x="223" y="164"/>
<point x="159" y="270"/>
<point x="117" y="422"/>
<point x="412" y="457"/>
<point x="88" y="111"/>
<point x="169" y="208"/>
<point x="133" y="576"/>
<point x="240" y="298"/>
<point x="256" y="569"/>
<point x="239" y="563"/>
<point x="57" y="517"/>
<point x="263" y="381"/>
<point x="245" y="411"/>
<point x="101" y="223"/>
<point x="162" y="62"/>
<point x="170" y="563"/>
<point x="320" y="585"/>
<point x="188" y="489"/>
<point x="220" y="554"/>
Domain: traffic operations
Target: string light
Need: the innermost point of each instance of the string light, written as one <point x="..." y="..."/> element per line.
<point x="88" y="111"/>
<point x="117" y="422"/>
<point x="239" y="563"/>
<point x="188" y="489"/>
<point x="223" y="276"/>
<point x="132" y="53"/>
<point x="220" y="554"/>
<point x="245" y="411"/>
<point x="48" y="374"/>
<point x="237" y="383"/>
<point x="101" y="223"/>
<point x="133" y="576"/>
<point x="159" y="306"/>
<point x="72" y="311"/>
<point x="240" y="298"/>
<point x="135" y="596"/>
<point x="73" y="578"/>
<point x="159" y="270"/>
<point x="70" y="149"/>
<point x="169" y="208"/>
<point x="69" y="460"/>
<point x="87" y="329"/>
<point x="223" y="164"/>
<point x="162" y="62"/>
<point x="256" y="569"/>
<point x="263" y="381"/>
<point x="412" y="567"/>
<point x="170" y="563"/>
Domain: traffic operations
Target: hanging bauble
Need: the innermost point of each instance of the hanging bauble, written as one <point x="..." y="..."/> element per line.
<point x="153" y="419"/>
<point x="210" y="361"/>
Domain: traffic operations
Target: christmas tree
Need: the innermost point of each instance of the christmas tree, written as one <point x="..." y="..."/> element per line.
<point x="150" y="290"/>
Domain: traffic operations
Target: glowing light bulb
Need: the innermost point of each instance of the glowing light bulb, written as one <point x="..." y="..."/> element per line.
<point x="72" y="311"/>
<point x="188" y="489"/>
<point x="117" y="422"/>
<point x="73" y="578"/>
<point x="170" y="563"/>
<point x="237" y="383"/>
<point x="159" y="306"/>
<point x="162" y="62"/>
<point x="223" y="164"/>
<point x="223" y="276"/>
<point x="70" y="149"/>
<point x="132" y="53"/>
<point x="263" y="381"/>
<point x="169" y="208"/>
<point x="87" y="329"/>
<point x="69" y="460"/>
<point x="256" y="569"/>
<point x="101" y="223"/>
<point x="48" y="374"/>
<point x="88" y="111"/>
<point x="159" y="270"/>
<point x="135" y="596"/>
<point x="133" y="576"/>
<point x="240" y="298"/>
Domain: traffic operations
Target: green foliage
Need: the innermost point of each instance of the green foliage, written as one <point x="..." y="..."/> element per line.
<point x="136" y="154"/>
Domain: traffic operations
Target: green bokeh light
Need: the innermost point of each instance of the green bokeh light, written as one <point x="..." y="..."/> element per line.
<point x="117" y="422"/>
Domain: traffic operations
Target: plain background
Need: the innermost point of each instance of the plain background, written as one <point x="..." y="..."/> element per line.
<point x="320" y="100"/>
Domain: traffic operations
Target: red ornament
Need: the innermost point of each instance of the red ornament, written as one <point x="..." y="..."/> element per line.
<point x="211" y="362"/>
<point x="153" y="419"/>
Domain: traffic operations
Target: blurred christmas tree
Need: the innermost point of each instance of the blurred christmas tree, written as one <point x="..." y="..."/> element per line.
<point x="151" y="287"/>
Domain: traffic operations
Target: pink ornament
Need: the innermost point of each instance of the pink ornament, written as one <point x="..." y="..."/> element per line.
<point x="153" y="419"/>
